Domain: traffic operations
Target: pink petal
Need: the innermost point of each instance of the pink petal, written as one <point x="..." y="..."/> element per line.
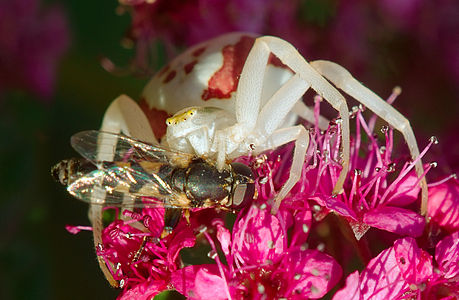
<point x="302" y="226"/>
<point x="144" y="291"/>
<point x="310" y="273"/>
<point x="183" y="279"/>
<point x="352" y="289"/>
<point x="209" y="285"/>
<point x="443" y="206"/>
<point x="258" y="237"/>
<point x="224" y="237"/>
<point x="153" y="219"/>
<point x="406" y="192"/>
<point x="447" y="255"/>
<point x="414" y="263"/>
<point x="184" y="238"/>
<point x="395" y="219"/>
<point x="382" y="279"/>
<point x="199" y="282"/>
<point x="335" y="204"/>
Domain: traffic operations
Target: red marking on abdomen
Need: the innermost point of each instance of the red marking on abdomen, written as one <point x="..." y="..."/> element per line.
<point x="163" y="70"/>
<point x="189" y="67"/>
<point x="275" y="61"/>
<point x="198" y="51"/>
<point x="170" y="76"/>
<point x="157" y="119"/>
<point x="225" y="80"/>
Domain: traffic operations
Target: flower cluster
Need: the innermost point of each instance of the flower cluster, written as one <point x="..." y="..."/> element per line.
<point x="301" y="251"/>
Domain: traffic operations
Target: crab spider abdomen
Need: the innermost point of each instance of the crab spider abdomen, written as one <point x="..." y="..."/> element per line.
<point x="205" y="75"/>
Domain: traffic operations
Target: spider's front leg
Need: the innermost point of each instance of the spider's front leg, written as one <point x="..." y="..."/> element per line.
<point x="122" y="116"/>
<point x="290" y="57"/>
<point x="260" y="128"/>
<point x="342" y="79"/>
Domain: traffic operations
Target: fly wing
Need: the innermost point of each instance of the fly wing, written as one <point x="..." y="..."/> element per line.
<point x="99" y="146"/>
<point x="127" y="170"/>
<point x="125" y="186"/>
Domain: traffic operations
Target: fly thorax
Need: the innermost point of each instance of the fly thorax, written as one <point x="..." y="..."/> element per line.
<point x="205" y="183"/>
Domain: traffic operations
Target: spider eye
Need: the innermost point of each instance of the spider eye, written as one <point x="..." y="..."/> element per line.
<point x="243" y="186"/>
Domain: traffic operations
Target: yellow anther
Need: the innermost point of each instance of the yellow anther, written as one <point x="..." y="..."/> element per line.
<point x="178" y="118"/>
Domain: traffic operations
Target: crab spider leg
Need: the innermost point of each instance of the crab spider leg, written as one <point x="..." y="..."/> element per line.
<point x="122" y="116"/>
<point x="248" y="98"/>
<point x="280" y="104"/>
<point x="281" y="137"/>
<point x="248" y="95"/>
<point x="125" y="116"/>
<point x="342" y="79"/>
<point x="290" y="57"/>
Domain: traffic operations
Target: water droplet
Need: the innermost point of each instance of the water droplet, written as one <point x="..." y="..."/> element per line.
<point x="304" y="246"/>
<point x="384" y="128"/>
<point x="100" y="247"/>
<point x="314" y="290"/>
<point x="382" y="149"/>
<point x="377" y="169"/>
<point x="212" y="254"/>
<point x="263" y="206"/>
<point x="434" y="140"/>
<point x="202" y="228"/>
<point x="391" y="167"/>
<point x="315" y="272"/>
<point x="305" y="228"/>
<point x="261" y="288"/>
<point x="316" y="208"/>
<point x="321" y="247"/>
<point x="263" y="180"/>
<point x="122" y="283"/>
<point x="297" y="277"/>
<point x="357" y="172"/>
<point x="353" y="112"/>
<point x="433" y="164"/>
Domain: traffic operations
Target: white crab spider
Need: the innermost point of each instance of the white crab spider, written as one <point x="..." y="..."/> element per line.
<point x="257" y="117"/>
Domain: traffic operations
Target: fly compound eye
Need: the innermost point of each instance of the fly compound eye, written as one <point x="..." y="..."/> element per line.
<point x="243" y="186"/>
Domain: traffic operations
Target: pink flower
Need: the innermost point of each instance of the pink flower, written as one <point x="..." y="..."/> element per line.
<point x="141" y="260"/>
<point x="443" y="206"/>
<point x="405" y="271"/>
<point x="372" y="197"/>
<point x="32" y="43"/>
<point x="261" y="263"/>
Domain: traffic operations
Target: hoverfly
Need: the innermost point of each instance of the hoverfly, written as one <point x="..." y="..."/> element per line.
<point x="143" y="175"/>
